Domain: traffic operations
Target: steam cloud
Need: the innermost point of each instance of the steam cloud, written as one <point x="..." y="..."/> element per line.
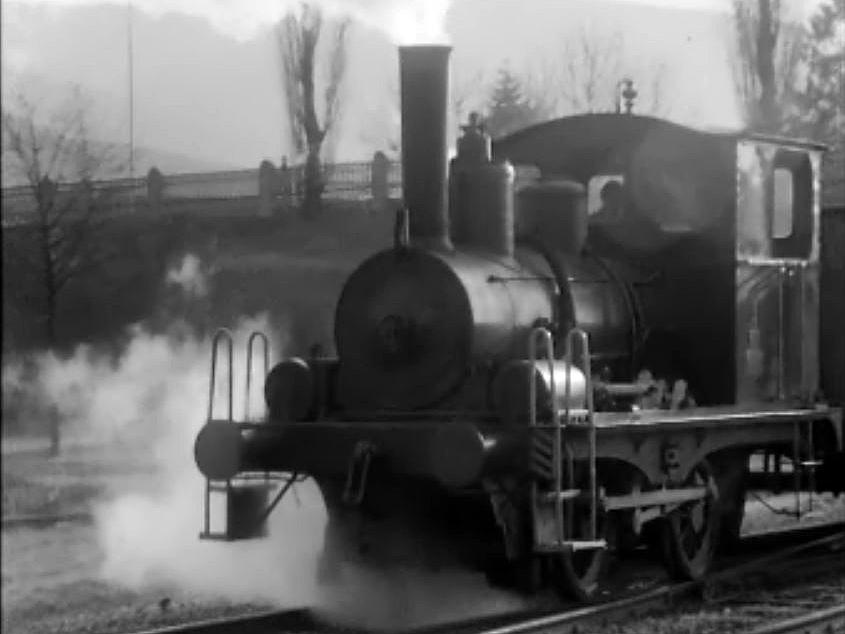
<point x="152" y="400"/>
<point x="189" y="277"/>
<point x="404" y="21"/>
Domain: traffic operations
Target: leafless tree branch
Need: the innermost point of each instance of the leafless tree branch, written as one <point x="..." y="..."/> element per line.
<point x="299" y="36"/>
<point x="56" y="157"/>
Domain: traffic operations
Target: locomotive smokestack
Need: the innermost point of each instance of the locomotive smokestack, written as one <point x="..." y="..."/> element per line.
<point x="424" y="79"/>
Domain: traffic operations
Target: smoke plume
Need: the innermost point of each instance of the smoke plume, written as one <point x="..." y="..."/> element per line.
<point x="403" y="21"/>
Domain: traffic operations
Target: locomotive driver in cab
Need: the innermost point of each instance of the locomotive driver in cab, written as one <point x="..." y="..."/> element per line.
<point x="604" y="228"/>
<point x="611" y="204"/>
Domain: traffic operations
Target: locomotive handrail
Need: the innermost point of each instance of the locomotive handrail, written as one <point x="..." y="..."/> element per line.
<point x="548" y="342"/>
<point x="255" y="335"/>
<point x="221" y="334"/>
<point x="577" y="334"/>
<point x="545" y="336"/>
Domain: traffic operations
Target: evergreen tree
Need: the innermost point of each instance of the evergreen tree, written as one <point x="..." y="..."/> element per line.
<point x="821" y="111"/>
<point x="508" y="109"/>
<point x="791" y="79"/>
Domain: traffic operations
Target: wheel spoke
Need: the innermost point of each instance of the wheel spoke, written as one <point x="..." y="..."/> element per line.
<point x="693" y="530"/>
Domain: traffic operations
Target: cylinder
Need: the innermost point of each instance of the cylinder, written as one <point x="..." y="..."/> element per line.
<point x="424" y="85"/>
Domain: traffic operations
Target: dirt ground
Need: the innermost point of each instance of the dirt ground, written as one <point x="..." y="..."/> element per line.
<point x="51" y="584"/>
<point x="52" y="576"/>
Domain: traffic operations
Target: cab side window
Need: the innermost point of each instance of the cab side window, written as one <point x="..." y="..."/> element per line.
<point x="791" y="221"/>
<point x="605" y="195"/>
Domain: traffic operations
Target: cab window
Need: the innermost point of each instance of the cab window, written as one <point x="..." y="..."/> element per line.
<point x="605" y="194"/>
<point x="791" y="220"/>
<point x="782" y="204"/>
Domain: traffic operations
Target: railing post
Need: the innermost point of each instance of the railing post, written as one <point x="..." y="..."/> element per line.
<point x="267" y="187"/>
<point x="378" y="181"/>
<point x="155" y="190"/>
<point x="285" y="186"/>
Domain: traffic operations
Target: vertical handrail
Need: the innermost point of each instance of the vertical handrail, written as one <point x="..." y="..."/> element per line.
<point x="226" y="335"/>
<point x="256" y="334"/>
<point x="782" y="273"/>
<point x="207" y="508"/>
<point x="796" y="466"/>
<point x="584" y="339"/>
<point x="806" y="392"/>
<point x="811" y="458"/>
<point x="545" y="336"/>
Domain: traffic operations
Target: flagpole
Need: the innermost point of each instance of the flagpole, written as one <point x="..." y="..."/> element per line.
<point x="131" y="64"/>
<point x="131" y="76"/>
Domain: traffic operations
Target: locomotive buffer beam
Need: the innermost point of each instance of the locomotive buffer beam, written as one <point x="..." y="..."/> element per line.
<point x="454" y="454"/>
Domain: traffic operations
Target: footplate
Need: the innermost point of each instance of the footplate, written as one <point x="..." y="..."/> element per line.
<point x="570" y="546"/>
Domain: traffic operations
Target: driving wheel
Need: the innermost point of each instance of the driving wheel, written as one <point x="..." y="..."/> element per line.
<point x="691" y="531"/>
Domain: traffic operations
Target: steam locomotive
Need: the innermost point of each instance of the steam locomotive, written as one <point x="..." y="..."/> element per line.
<point x="528" y="382"/>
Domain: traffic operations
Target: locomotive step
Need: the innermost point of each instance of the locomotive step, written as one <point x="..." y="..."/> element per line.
<point x="575" y="415"/>
<point x="574" y="545"/>
<point x="565" y="494"/>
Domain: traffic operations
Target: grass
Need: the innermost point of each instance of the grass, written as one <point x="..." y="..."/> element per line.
<point x="36" y="484"/>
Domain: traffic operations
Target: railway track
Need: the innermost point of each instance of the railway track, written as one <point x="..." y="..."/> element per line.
<point x="666" y="597"/>
<point x="814" y="559"/>
<point x="271" y="621"/>
<point x="828" y="621"/>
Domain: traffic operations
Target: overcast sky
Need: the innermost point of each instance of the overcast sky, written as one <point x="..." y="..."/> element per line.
<point x="206" y="79"/>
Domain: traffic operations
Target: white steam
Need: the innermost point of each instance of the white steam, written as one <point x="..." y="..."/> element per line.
<point x="153" y="399"/>
<point x="189" y="276"/>
<point x="404" y="21"/>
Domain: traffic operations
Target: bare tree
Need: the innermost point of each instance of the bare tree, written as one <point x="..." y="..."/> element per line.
<point x="57" y="160"/>
<point x="299" y="36"/>
<point x="467" y="94"/>
<point x="584" y="76"/>
<point x="768" y="63"/>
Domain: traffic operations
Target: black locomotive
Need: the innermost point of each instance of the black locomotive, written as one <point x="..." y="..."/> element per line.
<point x="575" y="341"/>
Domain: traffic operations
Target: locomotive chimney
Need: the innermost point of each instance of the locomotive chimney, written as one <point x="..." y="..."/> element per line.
<point x="424" y="80"/>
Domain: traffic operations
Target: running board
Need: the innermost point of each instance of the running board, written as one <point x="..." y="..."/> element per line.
<point x="573" y="546"/>
<point x="566" y="494"/>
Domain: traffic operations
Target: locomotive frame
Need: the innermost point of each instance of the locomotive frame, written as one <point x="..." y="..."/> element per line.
<point x="493" y="451"/>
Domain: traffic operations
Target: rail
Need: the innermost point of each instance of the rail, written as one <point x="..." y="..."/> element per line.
<point x="666" y="597"/>
<point x="299" y="619"/>
<point x="826" y="621"/>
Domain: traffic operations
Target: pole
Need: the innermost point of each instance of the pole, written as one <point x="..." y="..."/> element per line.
<point x="131" y="91"/>
<point x="131" y="68"/>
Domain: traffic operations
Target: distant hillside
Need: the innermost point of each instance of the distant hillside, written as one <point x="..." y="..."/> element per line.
<point x="176" y="163"/>
<point x="145" y="158"/>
